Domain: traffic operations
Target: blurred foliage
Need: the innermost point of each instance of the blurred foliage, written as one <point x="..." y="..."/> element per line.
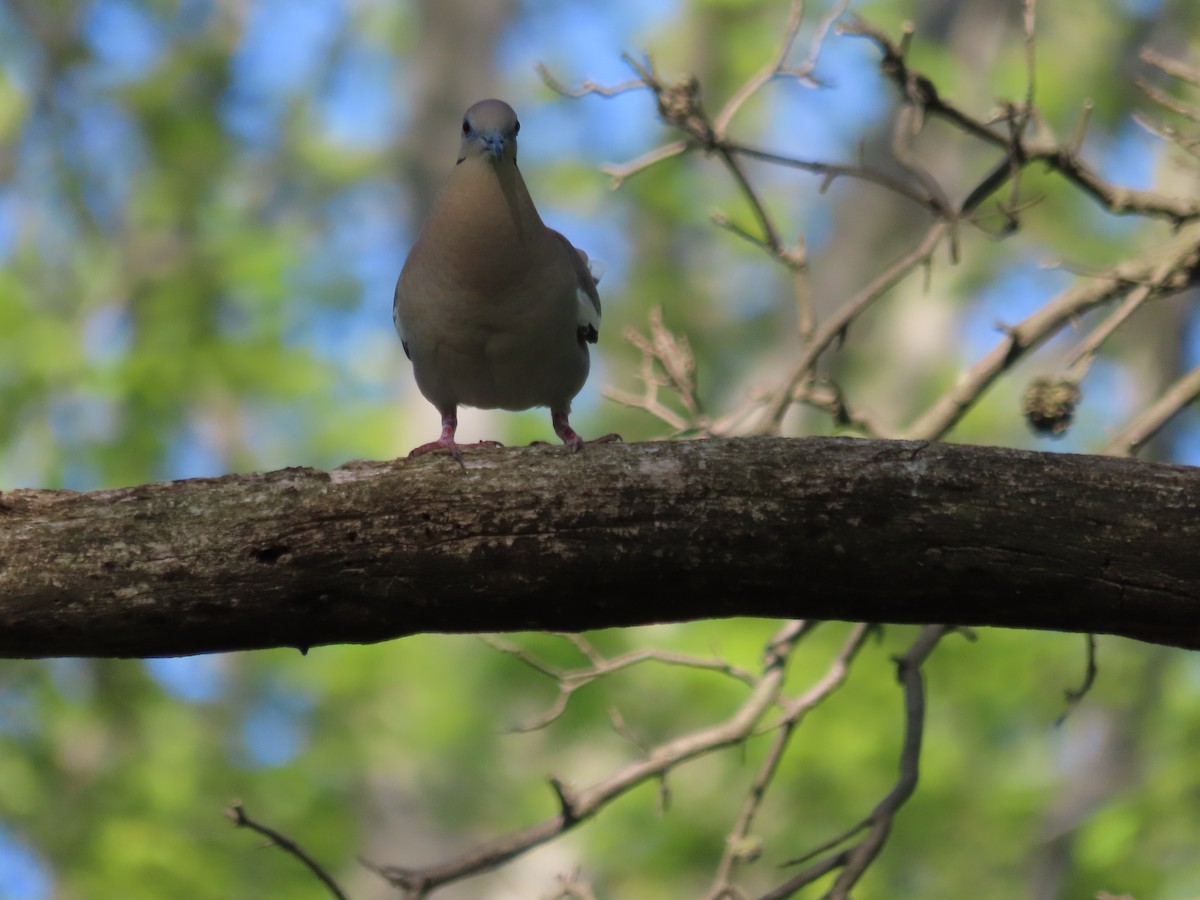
<point x="197" y="243"/>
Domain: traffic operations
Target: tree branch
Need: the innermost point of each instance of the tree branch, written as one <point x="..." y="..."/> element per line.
<point x="920" y="91"/>
<point x="740" y="846"/>
<point x="578" y="806"/>
<point x="237" y="814"/>
<point x="1168" y="270"/>
<point x="853" y="861"/>
<point x="873" y="531"/>
<point x="1156" y="415"/>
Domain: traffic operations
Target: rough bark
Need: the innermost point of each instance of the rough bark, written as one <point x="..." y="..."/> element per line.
<point x="538" y="538"/>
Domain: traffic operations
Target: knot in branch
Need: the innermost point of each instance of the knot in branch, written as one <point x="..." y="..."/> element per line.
<point x="679" y="105"/>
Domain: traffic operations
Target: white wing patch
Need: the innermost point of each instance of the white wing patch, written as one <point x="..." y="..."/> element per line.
<point x="589" y="314"/>
<point x="587" y="297"/>
<point x="595" y="266"/>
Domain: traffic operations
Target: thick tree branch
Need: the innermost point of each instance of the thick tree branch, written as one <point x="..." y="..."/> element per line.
<point x="874" y="531"/>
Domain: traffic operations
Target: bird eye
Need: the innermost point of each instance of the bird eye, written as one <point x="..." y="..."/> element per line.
<point x="517" y="128"/>
<point x="466" y="127"/>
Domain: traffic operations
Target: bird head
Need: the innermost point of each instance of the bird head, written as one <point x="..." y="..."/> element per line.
<point x="489" y="130"/>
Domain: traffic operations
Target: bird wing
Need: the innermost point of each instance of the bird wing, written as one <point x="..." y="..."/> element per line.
<point x="586" y="295"/>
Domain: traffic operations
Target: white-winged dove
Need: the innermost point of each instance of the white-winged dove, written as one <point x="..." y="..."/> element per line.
<point x="494" y="309"/>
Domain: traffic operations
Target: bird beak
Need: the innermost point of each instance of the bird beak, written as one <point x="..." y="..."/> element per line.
<point x="494" y="144"/>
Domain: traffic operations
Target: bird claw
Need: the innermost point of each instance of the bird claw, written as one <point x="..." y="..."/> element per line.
<point x="450" y="446"/>
<point x="575" y="443"/>
<point x="578" y="443"/>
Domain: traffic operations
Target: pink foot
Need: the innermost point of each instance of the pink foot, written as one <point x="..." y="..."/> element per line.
<point x="454" y="448"/>
<point x="568" y="435"/>
<point x="446" y="443"/>
<point x="439" y="446"/>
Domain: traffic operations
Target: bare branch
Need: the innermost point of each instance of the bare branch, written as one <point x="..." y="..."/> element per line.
<point x="903" y="132"/>
<point x="765" y="74"/>
<point x="1161" y="130"/>
<point x="1076" y="695"/>
<point x="571" y="680"/>
<point x="620" y="173"/>
<point x="570" y="887"/>
<point x="667" y="362"/>
<point x="578" y="806"/>
<point x="1171" y="67"/>
<point x="1081" y="358"/>
<point x="835" y="327"/>
<point x="238" y="815"/>
<point x="919" y="90"/>
<point x="1167" y="272"/>
<point x="934" y="202"/>
<point x="770" y="233"/>
<point x="587" y="86"/>
<point x="1156" y="416"/>
<point x="823" y="28"/>
<point x="853" y="861"/>
<point x="1162" y="98"/>
<point x="736" y="847"/>
<point x="827" y="397"/>
<point x="1028" y="15"/>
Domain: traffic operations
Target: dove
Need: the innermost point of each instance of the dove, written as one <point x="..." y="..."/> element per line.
<point x="495" y="309"/>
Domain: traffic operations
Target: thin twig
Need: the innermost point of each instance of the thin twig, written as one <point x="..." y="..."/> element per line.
<point x="579" y="806"/>
<point x="1028" y="17"/>
<point x="1166" y="101"/>
<point x="1155" y="417"/>
<point x="1075" y="695"/>
<point x="828" y="398"/>
<point x="903" y="133"/>
<point x="854" y="860"/>
<point x="570" y="887"/>
<point x="919" y="89"/>
<point x="820" y="33"/>
<point x="620" y="173"/>
<point x="571" y="680"/>
<point x="1187" y="143"/>
<point x="936" y="204"/>
<point x="1171" y="67"/>
<point x="587" y="86"/>
<point x="833" y="329"/>
<point x="667" y="362"/>
<point x="237" y="814"/>
<point x="736" y="847"/>
<point x="763" y="75"/>
<point x="770" y="233"/>
<point x="1081" y="358"/>
<point x="1177" y="260"/>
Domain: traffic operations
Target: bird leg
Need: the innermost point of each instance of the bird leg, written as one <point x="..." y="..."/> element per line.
<point x="446" y="443"/>
<point x="568" y="434"/>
